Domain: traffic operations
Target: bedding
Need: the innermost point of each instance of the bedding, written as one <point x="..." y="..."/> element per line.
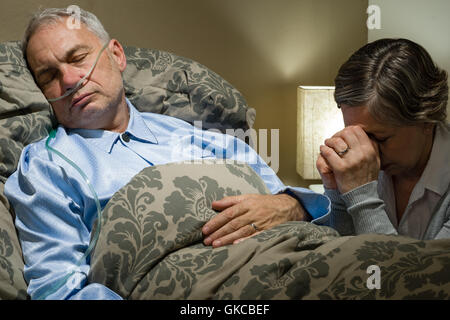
<point x="150" y="247"/>
<point x="12" y="283"/>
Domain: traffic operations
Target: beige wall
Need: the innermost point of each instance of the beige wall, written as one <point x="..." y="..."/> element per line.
<point x="265" y="48"/>
<point x="425" y="22"/>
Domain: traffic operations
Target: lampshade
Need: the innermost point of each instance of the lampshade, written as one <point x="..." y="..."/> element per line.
<point x="318" y="118"/>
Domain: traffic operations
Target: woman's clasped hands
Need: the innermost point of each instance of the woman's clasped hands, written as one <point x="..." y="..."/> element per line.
<point x="348" y="159"/>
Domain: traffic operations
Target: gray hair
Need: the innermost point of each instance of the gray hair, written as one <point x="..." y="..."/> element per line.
<point x="398" y="81"/>
<point x="54" y="15"/>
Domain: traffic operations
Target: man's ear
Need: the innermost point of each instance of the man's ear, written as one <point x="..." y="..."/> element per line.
<point x="118" y="54"/>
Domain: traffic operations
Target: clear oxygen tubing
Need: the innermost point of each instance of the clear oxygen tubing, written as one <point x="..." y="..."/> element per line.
<point x="81" y="81"/>
<point x="55" y="287"/>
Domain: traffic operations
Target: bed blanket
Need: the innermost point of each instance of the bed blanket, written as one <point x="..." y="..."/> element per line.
<point x="150" y="247"/>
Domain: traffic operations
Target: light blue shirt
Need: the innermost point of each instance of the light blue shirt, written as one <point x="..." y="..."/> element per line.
<point x="55" y="210"/>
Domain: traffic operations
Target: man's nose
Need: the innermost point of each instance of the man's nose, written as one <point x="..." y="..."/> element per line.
<point x="69" y="77"/>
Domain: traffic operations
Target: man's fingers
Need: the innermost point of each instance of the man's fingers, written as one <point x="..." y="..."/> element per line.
<point x="228" y="216"/>
<point x="230" y="208"/>
<point x="227" y="202"/>
<point x="229" y="238"/>
<point x="229" y="227"/>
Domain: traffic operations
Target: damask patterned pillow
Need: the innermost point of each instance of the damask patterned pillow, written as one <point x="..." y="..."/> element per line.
<point x="161" y="82"/>
<point x="134" y="229"/>
<point x="12" y="283"/>
<point x="25" y="114"/>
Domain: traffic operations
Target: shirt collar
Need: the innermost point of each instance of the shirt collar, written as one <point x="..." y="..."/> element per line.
<point x="105" y="140"/>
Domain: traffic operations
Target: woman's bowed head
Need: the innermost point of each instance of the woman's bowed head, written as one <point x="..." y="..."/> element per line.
<point x="392" y="97"/>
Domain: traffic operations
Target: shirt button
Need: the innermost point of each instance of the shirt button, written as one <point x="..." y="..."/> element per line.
<point x="126" y="137"/>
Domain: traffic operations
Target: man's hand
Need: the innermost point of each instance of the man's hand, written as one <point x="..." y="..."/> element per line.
<point x="238" y="213"/>
<point x="358" y="164"/>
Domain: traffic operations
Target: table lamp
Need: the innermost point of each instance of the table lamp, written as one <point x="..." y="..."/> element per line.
<point x="318" y="118"/>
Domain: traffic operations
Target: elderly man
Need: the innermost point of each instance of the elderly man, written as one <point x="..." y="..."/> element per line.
<point x="79" y="70"/>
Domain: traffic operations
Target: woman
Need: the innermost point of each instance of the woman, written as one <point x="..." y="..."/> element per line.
<point x="388" y="171"/>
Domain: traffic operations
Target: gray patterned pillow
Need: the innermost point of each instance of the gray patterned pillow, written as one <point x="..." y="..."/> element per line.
<point x="133" y="231"/>
<point x="25" y="114"/>
<point x="161" y="82"/>
<point x="12" y="283"/>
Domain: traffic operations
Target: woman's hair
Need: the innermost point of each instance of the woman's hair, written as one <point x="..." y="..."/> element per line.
<point x="55" y="15"/>
<point x="397" y="80"/>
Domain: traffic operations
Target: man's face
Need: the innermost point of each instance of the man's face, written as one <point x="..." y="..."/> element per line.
<point x="59" y="57"/>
